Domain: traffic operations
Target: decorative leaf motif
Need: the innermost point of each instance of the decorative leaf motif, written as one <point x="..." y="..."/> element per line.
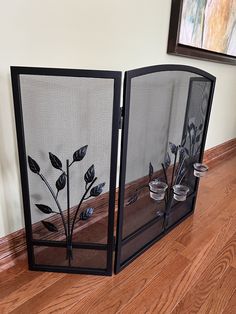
<point x="192" y="126"/>
<point x="34" y="167"/>
<point x="80" y="153"/>
<point x="192" y="133"/>
<point x="44" y="208"/>
<point x="181" y="174"/>
<point x="182" y="153"/>
<point x="97" y="190"/>
<point x="173" y="148"/>
<point x="182" y="171"/>
<point x="132" y="199"/>
<point x="181" y="149"/>
<point x="198" y="138"/>
<point x="61" y="182"/>
<point x="150" y="171"/>
<point x="86" y="214"/>
<point x="184" y="138"/>
<point x="55" y="161"/>
<point x="167" y="160"/>
<point x="49" y="226"/>
<point x="89" y="175"/>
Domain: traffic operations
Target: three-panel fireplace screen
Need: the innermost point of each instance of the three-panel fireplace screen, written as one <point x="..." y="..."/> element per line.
<point x="78" y="215"/>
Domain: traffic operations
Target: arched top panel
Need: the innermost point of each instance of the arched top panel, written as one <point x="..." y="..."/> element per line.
<point x="169" y="67"/>
<point x="166" y="110"/>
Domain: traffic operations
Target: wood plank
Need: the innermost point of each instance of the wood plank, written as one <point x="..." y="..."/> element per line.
<point x="220" y="296"/>
<point x="198" y="294"/>
<point x="153" y="299"/>
<point x="62" y="295"/>
<point x="68" y="296"/>
<point x="160" y="261"/>
<point x="27" y="291"/>
<point x="231" y="305"/>
<point x="147" y="300"/>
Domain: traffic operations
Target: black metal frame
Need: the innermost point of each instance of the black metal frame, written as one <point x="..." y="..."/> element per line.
<point x="129" y="75"/>
<point x="117" y="112"/>
<point x="116" y="76"/>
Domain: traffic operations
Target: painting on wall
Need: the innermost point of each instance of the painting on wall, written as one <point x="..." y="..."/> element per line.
<point x="203" y="29"/>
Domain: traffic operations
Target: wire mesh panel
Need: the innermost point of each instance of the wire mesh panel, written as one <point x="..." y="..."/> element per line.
<point x="67" y="127"/>
<point x="166" y="115"/>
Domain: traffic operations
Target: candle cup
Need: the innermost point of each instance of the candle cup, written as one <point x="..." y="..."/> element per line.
<point x="180" y="192"/>
<point x="200" y="170"/>
<point x="157" y="190"/>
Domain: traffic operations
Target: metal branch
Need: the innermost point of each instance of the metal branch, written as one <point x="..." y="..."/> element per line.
<point x="164" y="170"/>
<point x="174" y="166"/>
<point x="179" y="169"/>
<point x="182" y="177"/>
<point x="55" y="198"/>
<point x="80" y="203"/>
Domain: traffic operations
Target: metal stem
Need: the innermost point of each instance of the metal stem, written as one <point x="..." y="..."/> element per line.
<point x="165" y="178"/>
<point x="80" y="203"/>
<point x="55" y="198"/>
<point x="179" y="169"/>
<point x="173" y="171"/>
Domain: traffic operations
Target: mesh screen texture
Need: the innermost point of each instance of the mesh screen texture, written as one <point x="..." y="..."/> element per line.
<point x="62" y="114"/>
<point x="162" y="104"/>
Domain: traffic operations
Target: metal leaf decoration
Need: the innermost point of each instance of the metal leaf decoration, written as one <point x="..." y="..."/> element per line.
<point x="192" y="126"/>
<point x="182" y="153"/>
<point x="200" y="126"/>
<point x="150" y="171"/>
<point x="187" y="151"/>
<point x="80" y="153"/>
<point x="132" y="199"/>
<point x="181" y="174"/>
<point x="198" y="138"/>
<point x="86" y="214"/>
<point x="34" y="167"/>
<point x="184" y="138"/>
<point x="61" y="182"/>
<point x="89" y="175"/>
<point x="49" y="226"/>
<point x="183" y="170"/>
<point x="55" y="161"/>
<point x="44" y="208"/>
<point x="173" y="148"/>
<point x="167" y="160"/>
<point x="181" y="150"/>
<point x="97" y="190"/>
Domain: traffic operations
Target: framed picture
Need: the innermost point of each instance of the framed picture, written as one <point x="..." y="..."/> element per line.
<point x="203" y="29"/>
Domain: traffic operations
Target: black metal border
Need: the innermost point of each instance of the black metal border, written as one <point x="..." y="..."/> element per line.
<point x="116" y="76"/>
<point x="124" y="143"/>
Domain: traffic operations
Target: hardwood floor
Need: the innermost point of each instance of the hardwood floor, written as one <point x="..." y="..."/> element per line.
<point x="191" y="270"/>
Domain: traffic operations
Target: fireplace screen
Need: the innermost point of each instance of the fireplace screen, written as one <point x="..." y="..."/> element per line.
<point x="67" y="123"/>
<point x="67" y="128"/>
<point x="166" y="114"/>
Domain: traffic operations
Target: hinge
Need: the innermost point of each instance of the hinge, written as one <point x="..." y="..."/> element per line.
<point x="121" y="118"/>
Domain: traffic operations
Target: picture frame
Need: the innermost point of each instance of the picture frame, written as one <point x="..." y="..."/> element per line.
<point x="175" y="46"/>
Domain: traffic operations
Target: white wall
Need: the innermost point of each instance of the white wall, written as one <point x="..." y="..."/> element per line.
<point x="104" y="34"/>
